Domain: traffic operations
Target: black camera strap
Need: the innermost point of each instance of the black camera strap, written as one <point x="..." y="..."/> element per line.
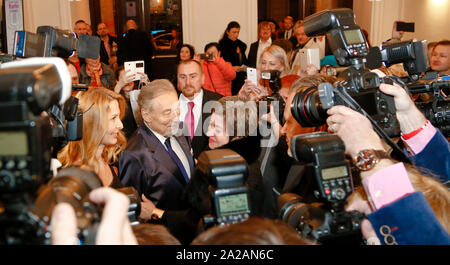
<point x="210" y="78"/>
<point x="355" y="106"/>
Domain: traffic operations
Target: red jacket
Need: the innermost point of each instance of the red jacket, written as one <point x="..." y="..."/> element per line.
<point x="218" y="76"/>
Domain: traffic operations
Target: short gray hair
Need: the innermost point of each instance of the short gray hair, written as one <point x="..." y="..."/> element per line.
<point x="153" y="90"/>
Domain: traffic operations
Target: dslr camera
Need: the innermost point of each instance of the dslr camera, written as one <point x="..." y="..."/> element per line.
<point x="48" y="41"/>
<point x="226" y="173"/>
<point x="316" y="209"/>
<point x="437" y="110"/>
<point x="271" y="79"/>
<point x="358" y="88"/>
<point x="414" y="56"/>
<point x="27" y="196"/>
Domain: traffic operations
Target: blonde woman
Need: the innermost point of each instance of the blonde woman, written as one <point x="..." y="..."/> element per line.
<point x="103" y="139"/>
<point x="272" y="58"/>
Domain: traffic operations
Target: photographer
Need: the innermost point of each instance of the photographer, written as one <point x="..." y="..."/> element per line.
<point x="219" y="74"/>
<point x="292" y="127"/>
<point x="225" y="131"/>
<point x="394" y="201"/>
<point x="427" y="147"/>
<point x="272" y="58"/>
<point x="254" y="231"/>
<point x="97" y="74"/>
<point x="440" y="58"/>
<point x="114" y="227"/>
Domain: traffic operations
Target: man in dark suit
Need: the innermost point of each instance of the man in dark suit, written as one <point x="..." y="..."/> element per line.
<point x="107" y="55"/>
<point x="157" y="163"/>
<point x="193" y="99"/>
<point x="135" y="46"/>
<point x="264" y="41"/>
<point x="288" y="30"/>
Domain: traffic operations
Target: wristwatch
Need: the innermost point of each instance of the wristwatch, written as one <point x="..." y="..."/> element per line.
<point x="367" y="159"/>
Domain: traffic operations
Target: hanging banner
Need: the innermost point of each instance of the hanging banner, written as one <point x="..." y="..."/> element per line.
<point x="14" y="21"/>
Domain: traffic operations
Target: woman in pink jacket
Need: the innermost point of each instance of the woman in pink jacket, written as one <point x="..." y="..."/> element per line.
<point x="218" y="73"/>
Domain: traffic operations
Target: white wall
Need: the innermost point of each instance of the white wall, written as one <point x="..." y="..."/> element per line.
<point x="54" y="13"/>
<point x="205" y="21"/>
<point x="431" y="18"/>
<point x="57" y="13"/>
<point x="80" y="10"/>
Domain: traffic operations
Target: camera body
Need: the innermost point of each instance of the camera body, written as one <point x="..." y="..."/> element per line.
<point x="48" y="41"/>
<point x="437" y="111"/>
<point x="271" y="79"/>
<point x="226" y="172"/>
<point x="357" y="88"/>
<point x="318" y="213"/>
<point x="28" y="88"/>
<point x="324" y="160"/>
<point x="27" y="195"/>
<point x="205" y="56"/>
<point x="413" y="55"/>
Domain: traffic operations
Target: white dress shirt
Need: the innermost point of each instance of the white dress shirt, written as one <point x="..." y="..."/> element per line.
<point x="197" y="110"/>
<point x="176" y="148"/>
<point x="261" y="47"/>
<point x="288" y="34"/>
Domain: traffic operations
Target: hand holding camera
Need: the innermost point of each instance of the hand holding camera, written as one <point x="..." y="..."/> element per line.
<point x="114" y="227"/>
<point x="125" y="81"/>
<point x="409" y="116"/>
<point x="350" y="125"/>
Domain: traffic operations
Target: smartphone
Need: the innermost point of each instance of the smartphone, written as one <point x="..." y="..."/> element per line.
<point x="135" y="67"/>
<point x="252" y="75"/>
<point x="404" y="26"/>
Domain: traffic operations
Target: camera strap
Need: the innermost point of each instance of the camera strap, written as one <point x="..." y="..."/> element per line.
<point x="210" y="78"/>
<point x="355" y="106"/>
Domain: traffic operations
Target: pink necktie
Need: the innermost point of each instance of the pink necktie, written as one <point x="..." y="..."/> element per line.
<point x="189" y="119"/>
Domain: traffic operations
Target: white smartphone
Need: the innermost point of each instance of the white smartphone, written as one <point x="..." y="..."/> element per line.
<point x="135" y="67"/>
<point x="252" y="75"/>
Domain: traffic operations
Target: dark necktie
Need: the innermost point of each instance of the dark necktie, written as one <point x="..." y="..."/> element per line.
<point x="177" y="160"/>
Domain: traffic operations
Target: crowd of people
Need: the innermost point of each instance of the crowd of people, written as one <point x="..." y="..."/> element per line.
<point x="149" y="135"/>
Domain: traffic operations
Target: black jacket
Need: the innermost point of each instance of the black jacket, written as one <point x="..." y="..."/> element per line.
<point x="229" y="51"/>
<point x="252" y="54"/>
<point x="136" y="46"/>
<point x="104" y="58"/>
<point x="200" y="141"/>
<point x="234" y="52"/>
<point x="184" y="225"/>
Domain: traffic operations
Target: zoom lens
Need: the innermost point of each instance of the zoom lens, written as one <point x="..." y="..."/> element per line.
<point x="307" y="108"/>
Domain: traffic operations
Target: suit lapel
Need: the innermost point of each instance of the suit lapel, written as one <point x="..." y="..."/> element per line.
<point x="161" y="154"/>
<point x="187" y="151"/>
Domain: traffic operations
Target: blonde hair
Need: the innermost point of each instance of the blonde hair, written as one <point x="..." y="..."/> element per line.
<point x="278" y="53"/>
<point x="95" y="107"/>
<point x="297" y="25"/>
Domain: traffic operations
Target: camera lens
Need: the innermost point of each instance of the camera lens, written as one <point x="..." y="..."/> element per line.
<point x="291" y="209"/>
<point x="307" y="108"/>
<point x="439" y="115"/>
